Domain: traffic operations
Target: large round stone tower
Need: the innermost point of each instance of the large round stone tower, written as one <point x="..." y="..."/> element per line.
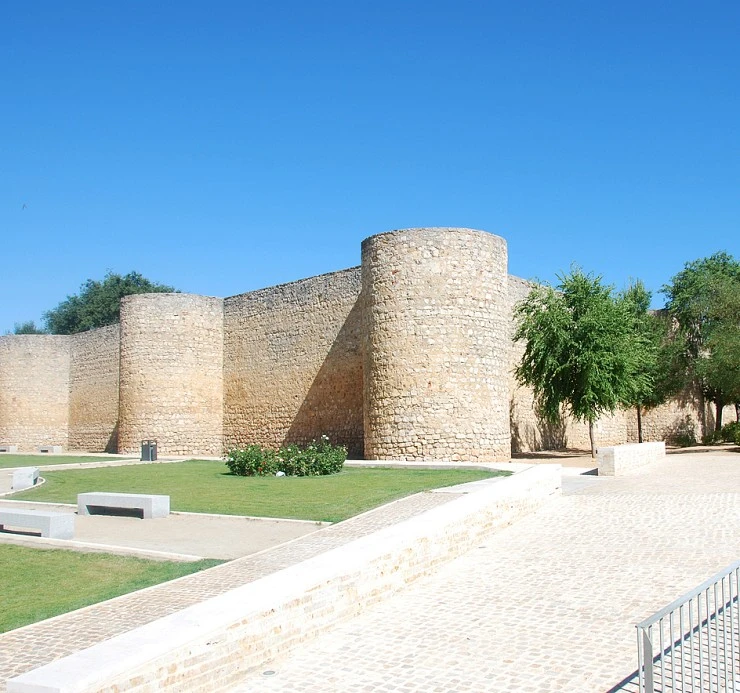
<point x="437" y="343"/>
<point x="171" y="386"/>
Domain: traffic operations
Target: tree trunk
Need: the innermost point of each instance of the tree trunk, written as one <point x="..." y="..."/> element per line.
<point x="591" y="436"/>
<point x="720" y="404"/>
<point x="737" y="410"/>
<point x="639" y="424"/>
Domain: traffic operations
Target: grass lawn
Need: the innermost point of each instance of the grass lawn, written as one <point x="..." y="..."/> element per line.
<point x="43" y="460"/>
<point x="39" y="584"/>
<point x="209" y="487"/>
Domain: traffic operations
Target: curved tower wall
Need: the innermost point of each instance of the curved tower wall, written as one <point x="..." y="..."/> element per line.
<point x="437" y="345"/>
<point x="171" y="382"/>
<point x="34" y="390"/>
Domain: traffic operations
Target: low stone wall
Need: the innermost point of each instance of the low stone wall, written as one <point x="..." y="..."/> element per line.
<point x="210" y="645"/>
<point x="623" y="459"/>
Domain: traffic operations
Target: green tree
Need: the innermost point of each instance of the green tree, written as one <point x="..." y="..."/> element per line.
<point x="704" y="299"/>
<point x="27" y="327"/>
<point x="98" y="303"/>
<point x="660" y="360"/>
<point x="718" y="364"/>
<point x="581" y="354"/>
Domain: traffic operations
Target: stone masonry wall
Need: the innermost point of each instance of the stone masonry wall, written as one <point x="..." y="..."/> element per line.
<point x="34" y="390"/>
<point x="408" y="357"/>
<point x="172" y="373"/>
<point x="292" y="363"/>
<point x="93" y="389"/>
<point x="685" y="417"/>
<point x="437" y="345"/>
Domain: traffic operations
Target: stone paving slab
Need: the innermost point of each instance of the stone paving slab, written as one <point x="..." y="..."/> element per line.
<point x="548" y="604"/>
<point x="37" y="644"/>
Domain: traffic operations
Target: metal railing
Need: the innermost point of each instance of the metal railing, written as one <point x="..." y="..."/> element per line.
<point x="698" y="637"/>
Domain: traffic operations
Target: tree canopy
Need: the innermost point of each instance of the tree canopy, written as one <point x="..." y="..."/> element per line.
<point x="698" y="294"/>
<point x="98" y="303"/>
<point x="581" y="351"/>
<point x="27" y="327"/>
<point x="661" y="364"/>
<point x="704" y="299"/>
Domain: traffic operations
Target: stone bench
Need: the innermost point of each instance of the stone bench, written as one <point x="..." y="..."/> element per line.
<point x="623" y="459"/>
<point x="51" y="449"/>
<point x="24" y="477"/>
<point x="11" y="449"/>
<point x="50" y="524"/>
<point x="150" y="505"/>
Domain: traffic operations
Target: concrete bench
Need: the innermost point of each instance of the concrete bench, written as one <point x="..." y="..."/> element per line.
<point x="623" y="459"/>
<point x="24" y="477"/>
<point x="51" y="525"/>
<point x="52" y="449"/>
<point x="11" y="449"/>
<point x="149" y="505"/>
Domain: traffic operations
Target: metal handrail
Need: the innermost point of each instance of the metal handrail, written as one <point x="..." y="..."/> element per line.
<point x="698" y="651"/>
<point x="689" y="595"/>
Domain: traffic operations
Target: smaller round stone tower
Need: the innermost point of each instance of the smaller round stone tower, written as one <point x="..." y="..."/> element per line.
<point x="171" y="383"/>
<point x="436" y="348"/>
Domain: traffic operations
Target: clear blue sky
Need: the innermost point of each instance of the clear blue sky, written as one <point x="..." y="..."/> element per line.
<point x="226" y="146"/>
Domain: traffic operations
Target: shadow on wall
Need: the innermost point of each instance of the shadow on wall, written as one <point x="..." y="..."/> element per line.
<point x="692" y="398"/>
<point x="333" y="403"/>
<point x="682" y="431"/>
<point x="542" y="436"/>
<point x="112" y="444"/>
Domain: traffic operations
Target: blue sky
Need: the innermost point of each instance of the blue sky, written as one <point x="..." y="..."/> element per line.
<point x="226" y="146"/>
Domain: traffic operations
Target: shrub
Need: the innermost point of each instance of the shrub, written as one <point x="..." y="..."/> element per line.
<point x="684" y="440"/>
<point x="730" y="432"/>
<point x="252" y="461"/>
<point x="713" y="438"/>
<point x="315" y="459"/>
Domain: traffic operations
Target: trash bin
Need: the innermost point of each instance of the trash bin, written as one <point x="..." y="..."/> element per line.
<point x="148" y="450"/>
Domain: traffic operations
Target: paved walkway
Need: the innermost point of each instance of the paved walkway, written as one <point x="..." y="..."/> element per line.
<point x="549" y="604"/>
<point x="40" y="643"/>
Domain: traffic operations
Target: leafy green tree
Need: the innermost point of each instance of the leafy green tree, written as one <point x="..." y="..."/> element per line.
<point x="27" y="327"/>
<point x="98" y="303"/>
<point x="661" y="362"/>
<point x="704" y="299"/>
<point x="581" y="352"/>
<point x="718" y="364"/>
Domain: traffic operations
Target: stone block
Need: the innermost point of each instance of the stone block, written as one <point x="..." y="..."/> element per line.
<point x="150" y="505"/>
<point x="50" y="524"/>
<point x="24" y="477"/>
<point x="623" y="459"/>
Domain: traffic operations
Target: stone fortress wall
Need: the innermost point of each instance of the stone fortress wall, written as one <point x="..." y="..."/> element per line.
<point x="34" y="390"/>
<point x="409" y="356"/>
<point x="94" y="360"/>
<point x="293" y="363"/>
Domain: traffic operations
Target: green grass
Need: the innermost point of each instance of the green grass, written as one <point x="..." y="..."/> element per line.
<point x="43" y="460"/>
<point x="39" y="584"/>
<point x="208" y="487"/>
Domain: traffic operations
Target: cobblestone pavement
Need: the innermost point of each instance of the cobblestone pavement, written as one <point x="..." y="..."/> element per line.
<point x="548" y="604"/>
<point x="40" y="643"/>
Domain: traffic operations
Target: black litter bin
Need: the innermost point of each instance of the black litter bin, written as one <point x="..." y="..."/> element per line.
<point x="148" y="450"/>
